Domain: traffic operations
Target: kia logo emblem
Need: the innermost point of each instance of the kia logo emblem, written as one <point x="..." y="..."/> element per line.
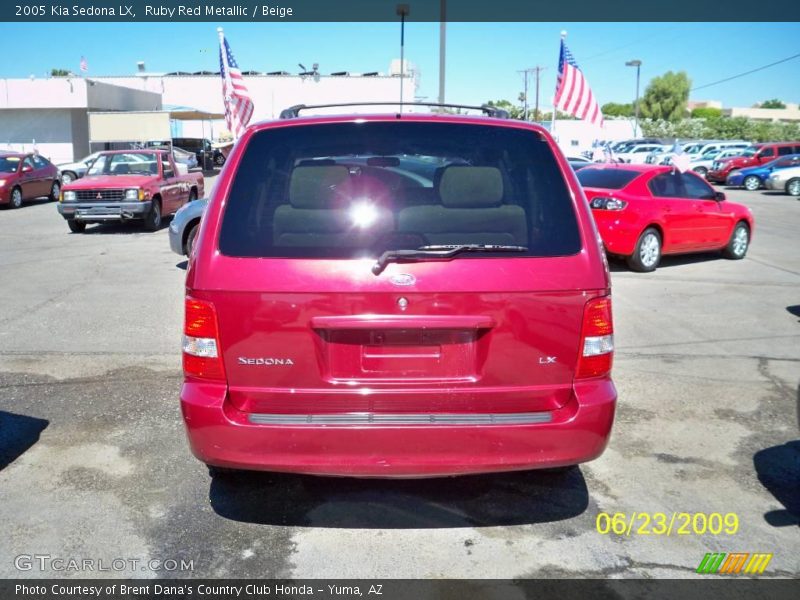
<point x="403" y="279"/>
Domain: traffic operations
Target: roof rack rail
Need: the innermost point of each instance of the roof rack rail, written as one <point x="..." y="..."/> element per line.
<point x="492" y="111"/>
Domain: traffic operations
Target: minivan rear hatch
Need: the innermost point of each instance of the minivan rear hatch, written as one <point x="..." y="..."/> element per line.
<point x="309" y="327"/>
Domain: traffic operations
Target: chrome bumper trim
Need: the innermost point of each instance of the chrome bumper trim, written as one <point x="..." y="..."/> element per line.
<point x="403" y="419"/>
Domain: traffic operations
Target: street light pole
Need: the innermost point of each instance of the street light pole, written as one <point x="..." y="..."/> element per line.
<point x="442" y="47"/>
<point x="402" y="10"/>
<point x="638" y="64"/>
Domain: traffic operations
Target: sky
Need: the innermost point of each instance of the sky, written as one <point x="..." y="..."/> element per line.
<point x="483" y="59"/>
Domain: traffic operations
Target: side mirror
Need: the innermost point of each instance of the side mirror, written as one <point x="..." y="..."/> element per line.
<point x="27" y="168"/>
<point x="719" y="196"/>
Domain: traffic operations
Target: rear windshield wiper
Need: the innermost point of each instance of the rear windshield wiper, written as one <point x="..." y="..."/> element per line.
<point x="441" y="251"/>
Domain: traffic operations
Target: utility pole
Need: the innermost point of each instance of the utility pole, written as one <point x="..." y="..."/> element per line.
<point x="442" y="47"/>
<point x="538" y="71"/>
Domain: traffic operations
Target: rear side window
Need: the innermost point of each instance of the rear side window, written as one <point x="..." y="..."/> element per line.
<point x="355" y="190"/>
<point x="785" y="150"/>
<point x="610" y="179"/>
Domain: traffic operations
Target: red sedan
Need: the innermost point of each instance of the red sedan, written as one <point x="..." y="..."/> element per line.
<point x="24" y="176"/>
<point x="645" y="211"/>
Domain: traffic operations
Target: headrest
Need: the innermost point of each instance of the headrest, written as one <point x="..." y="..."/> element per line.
<point x="470" y="187"/>
<point x="315" y="187"/>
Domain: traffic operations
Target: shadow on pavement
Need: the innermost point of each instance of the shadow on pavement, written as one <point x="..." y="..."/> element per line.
<point x="617" y="265"/>
<point x="794" y="310"/>
<point x="778" y="470"/>
<point x="17" y="434"/>
<point x="516" y="498"/>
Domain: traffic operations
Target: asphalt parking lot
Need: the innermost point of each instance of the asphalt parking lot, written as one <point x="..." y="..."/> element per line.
<point x="94" y="463"/>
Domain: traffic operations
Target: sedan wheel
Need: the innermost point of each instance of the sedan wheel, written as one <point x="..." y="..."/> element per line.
<point x="55" y="191"/>
<point x="793" y="187"/>
<point x="16" y="198"/>
<point x="739" y="242"/>
<point x="701" y="171"/>
<point x="219" y="160"/>
<point x="647" y="254"/>
<point x="67" y="177"/>
<point x="752" y="183"/>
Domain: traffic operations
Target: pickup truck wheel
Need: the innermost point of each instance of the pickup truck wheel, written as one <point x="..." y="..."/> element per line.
<point x="152" y="222"/>
<point x="190" y="237"/>
<point x="793" y="187"/>
<point x="647" y="254"/>
<point x="76" y="226"/>
<point x="16" y="198"/>
<point x="55" y="190"/>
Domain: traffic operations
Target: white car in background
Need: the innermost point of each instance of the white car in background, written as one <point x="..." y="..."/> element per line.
<point x="702" y="165"/>
<point x="638" y="154"/>
<point x="75" y="170"/>
<point x="785" y="180"/>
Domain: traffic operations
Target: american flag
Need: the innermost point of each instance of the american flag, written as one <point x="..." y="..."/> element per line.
<point x="84" y="64"/>
<point x="573" y="94"/>
<point x="238" y="104"/>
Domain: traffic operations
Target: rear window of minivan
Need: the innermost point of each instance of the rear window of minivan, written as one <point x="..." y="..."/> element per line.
<point x="357" y="189"/>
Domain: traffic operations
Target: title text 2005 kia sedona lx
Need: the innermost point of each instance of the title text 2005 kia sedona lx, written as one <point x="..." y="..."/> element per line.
<point x="397" y="296"/>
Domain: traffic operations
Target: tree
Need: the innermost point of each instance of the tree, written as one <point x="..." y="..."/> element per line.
<point x="774" y="103"/>
<point x="514" y="112"/>
<point x="60" y="73"/>
<point x="614" y="109"/>
<point x="706" y="113"/>
<point x="666" y="96"/>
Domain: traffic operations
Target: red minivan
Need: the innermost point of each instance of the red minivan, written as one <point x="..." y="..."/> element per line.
<point x="397" y="295"/>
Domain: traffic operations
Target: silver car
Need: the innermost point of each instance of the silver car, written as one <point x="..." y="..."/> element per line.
<point x="184" y="226"/>
<point x="75" y="170"/>
<point x="784" y="180"/>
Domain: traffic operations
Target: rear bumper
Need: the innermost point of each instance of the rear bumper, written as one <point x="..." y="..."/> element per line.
<point x="99" y="211"/>
<point x="222" y="436"/>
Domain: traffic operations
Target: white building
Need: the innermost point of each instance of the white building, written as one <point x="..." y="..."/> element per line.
<point x="50" y="115"/>
<point x="574" y="136"/>
<point x="270" y="93"/>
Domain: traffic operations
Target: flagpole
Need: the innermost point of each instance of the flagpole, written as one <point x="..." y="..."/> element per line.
<point x="553" y="116"/>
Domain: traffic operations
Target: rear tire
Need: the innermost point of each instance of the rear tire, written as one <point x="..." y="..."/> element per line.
<point x="219" y="160"/>
<point x="739" y="242"/>
<point x="751" y="183"/>
<point x="793" y="187"/>
<point x="190" y="238"/>
<point x="68" y="177"/>
<point x="647" y="254"/>
<point x="76" y="226"/>
<point x="701" y="171"/>
<point x="152" y="222"/>
<point x="223" y="472"/>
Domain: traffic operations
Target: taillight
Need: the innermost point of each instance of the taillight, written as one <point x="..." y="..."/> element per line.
<point x="597" y="340"/>
<point x="608" y="203"/>
<point x="201" y="352"/>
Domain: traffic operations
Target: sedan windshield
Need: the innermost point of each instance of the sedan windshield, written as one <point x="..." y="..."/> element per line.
<point x="125" y="163"/>
<point x="9" y="164"/>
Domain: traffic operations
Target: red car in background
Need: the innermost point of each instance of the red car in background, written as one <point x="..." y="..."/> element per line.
<point x="644" y="212"/>
<point x="26" y="175"/>
<point x="757" y="154"/>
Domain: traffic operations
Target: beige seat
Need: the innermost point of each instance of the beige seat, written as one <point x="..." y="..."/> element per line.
<point x="471" y="211"/>
<point x="322" y="212"/>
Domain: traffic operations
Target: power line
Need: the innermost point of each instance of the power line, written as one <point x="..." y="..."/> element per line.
<point x="777" y="62"/>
